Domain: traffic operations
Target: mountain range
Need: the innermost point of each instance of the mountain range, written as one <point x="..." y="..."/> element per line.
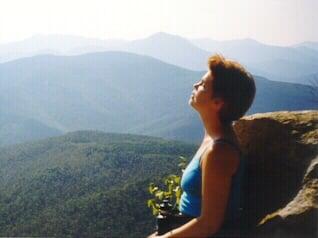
<point x="116" y="92"/>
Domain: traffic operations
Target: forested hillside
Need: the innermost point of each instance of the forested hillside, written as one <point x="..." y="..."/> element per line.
<point x="88" y="183"/>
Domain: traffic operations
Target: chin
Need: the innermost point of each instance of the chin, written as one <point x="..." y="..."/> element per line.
<point x="191" y="103"/>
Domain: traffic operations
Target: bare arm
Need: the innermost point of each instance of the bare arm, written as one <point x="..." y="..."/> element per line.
<point x="218" y="165"/>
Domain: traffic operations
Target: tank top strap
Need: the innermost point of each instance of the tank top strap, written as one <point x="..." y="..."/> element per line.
<point x="221" y="140"/>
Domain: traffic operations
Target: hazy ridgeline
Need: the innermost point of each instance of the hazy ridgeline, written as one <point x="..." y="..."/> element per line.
<point x="296" y="63"/>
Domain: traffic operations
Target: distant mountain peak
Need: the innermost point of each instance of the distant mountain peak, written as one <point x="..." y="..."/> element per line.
<point x="166" y="36"/>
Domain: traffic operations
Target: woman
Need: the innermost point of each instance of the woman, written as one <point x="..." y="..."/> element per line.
<point x="211" y="181"/>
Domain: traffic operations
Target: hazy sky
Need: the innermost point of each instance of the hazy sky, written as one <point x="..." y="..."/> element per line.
<point x="279" y="22"/>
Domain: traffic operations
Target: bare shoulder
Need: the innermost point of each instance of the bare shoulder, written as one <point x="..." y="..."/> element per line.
<point x="220" y="158"/>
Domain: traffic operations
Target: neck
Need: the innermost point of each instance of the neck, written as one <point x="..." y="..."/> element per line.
<point x="213" y="127"/>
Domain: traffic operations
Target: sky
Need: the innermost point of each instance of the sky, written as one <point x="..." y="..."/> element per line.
<point x="275" y="22"/>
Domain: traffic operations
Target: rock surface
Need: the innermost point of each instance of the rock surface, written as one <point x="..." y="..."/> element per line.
<point x="282" y="186"/>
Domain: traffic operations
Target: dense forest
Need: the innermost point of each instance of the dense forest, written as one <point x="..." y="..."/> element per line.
<point x="88" y="184"/>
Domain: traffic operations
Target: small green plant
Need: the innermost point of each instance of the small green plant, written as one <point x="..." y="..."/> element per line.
<point x="172" y="191"/>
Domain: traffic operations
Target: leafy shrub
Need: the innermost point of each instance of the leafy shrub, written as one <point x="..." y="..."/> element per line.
<point x="170" y="192"/>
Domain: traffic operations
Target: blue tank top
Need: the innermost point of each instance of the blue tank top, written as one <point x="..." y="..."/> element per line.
<point x="190" y="203"/>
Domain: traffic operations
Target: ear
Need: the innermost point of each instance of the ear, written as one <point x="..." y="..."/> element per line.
<point x="218" y="103"/>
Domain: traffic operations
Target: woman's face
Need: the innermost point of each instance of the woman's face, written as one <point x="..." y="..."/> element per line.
<point x="202" y="95"/>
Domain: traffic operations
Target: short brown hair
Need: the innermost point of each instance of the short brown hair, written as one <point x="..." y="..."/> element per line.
<point x="234" y="85"/>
